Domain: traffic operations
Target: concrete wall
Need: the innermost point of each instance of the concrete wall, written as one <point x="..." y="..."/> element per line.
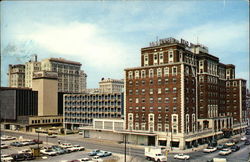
<point x="47" y="95"/>
<point x="106" y="135"/>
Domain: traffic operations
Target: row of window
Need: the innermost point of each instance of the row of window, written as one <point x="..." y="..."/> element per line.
<point x="151" y="82"/>
<point x="151" y="72"/>
<point x="93" y="103"/>
<point x="94" y="97"/>
<point x="151" y="91"/>
<point x="93" y="109"/>
<point x="45" y="121"/>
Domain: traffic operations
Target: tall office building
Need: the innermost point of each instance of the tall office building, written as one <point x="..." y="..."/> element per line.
<point x="179" y="95"/>
<point x="111" y="85"/>
<point x="16" y="75"/>
<point x="70" y="76"/>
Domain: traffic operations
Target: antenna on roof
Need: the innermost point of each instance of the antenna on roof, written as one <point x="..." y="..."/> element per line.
<point x="197" y="40"/>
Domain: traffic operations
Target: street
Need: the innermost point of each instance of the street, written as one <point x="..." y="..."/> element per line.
<point x="240" y="156"/>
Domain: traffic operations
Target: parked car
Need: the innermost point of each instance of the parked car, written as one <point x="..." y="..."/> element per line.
<point x="182" y="156"/>
<point x="66" y="145"/>
<point x="6" y="158"/>
<point x="18" y="157"/>
<point x="84" y="159"/>
<point x="229" y="144"/>
<point x="25" y="143"/>
<point x="107" y="153"/>
<point x="97" y="159"/>
<point x="235" y="148"/>
<point x="52" y="136"/>
<point x="225" y="152"/>
<point x="29" y="156"/>
<point x="7" y="138"/>
<point x="243" y="138"/>
<point x="58" y="150"/>
<point x="220" y="146"/>
<point x="93" y="153"/>
<point x="25" y="151"/>
<point x="100" y="154"/>
<point x="72" y="149"/>
<point x="209" y="149"/>
<point x="247" y="142"/>
<point x="49" y="152"/>
<point x="79" y="148"/>
<point x="37" y="141"/>
<point x="17" y="144"/>
<point x="4" y="146"/>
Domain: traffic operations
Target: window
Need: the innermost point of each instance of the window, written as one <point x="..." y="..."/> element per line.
<point x="151" y="73"/>
<point x="159" y="81"/>
<point x="174" y="89"/>
<point x="143" y="91"/>
<point x="143" y="82"/>
<point x="151" y="100"/>
<point x="166" y="71"/>
<point x="174" y="109"/>
<point x="151" y="91"/>
<point x="155" y="58"/>
<point x="143" y="100"/>
<point x="143" y="74"/>
<point x="166" y="90"/>
<point x="151" y="82"/>
<point x="143" y="108"/>
<point x="166" y="80"/>
<point x="159" y="100"/>
<point x="170" y="57"/>
<point x="187" y="70"/>
<point x="130" y="100"/>
<point x="174" y="70"/>
<point x="174" y="80"/>
<point x="166" y="100"/>
<point x="136" y="100"/>
<point x="130" y="91"/>
<point x="159" y="109"/>
<point x="159" y="90"/>
<point x="174" y="100"/>
<point x="159" y="72"/>
<point x="136" y="74"/>
<point x="146" y="59"/>
<point x="151" y="108"/>
<point x="167" y="108"/>
<point x="161" y="58"/>
<point x="130" y="75"/>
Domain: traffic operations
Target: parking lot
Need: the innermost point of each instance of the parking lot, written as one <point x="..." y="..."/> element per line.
<point x="64" y="156"/>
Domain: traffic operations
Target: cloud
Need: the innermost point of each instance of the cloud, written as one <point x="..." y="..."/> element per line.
<point x="220" y="36"/>
<point x="85" y="41"/>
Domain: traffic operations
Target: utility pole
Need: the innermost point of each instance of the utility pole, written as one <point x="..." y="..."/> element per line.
<point x="125" y="151"/>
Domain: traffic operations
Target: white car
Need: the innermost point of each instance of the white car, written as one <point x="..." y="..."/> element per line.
<point x="25" y="151"/>
<point x="79" y="148"/>
<point x="4" y="146"/>
<point x="6" y="158"/>
<point x="52" y="136"/>
<point x="225" y="152"/>
<point x="97" y="158"/>
<point x="6" y="138"/>
<point x="210" y="149"/>
<point x="72" y="149"/>
<point x="243" y="138"/>
<point x="66" y="145"/>
<point x="229" y="143"/>
<point x="48" y="152"/>
<point x="182" y="156"/>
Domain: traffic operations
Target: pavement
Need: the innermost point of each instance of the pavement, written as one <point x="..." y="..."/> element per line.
<point x="136" y="153"/>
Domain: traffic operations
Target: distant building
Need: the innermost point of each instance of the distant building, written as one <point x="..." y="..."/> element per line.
<point x="111" y="85"/>
<point x="45" y="82"/>
<point x="81" y="109"/>
<point x="70" y="76"/>
<point x="19" y="110"/>
<point x="16" y="75"/>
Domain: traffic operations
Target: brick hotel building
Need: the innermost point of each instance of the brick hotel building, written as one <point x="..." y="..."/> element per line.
<point x="182" y="96"/>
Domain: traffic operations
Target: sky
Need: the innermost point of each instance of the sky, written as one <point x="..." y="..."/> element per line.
<point x="107" y="36"/>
